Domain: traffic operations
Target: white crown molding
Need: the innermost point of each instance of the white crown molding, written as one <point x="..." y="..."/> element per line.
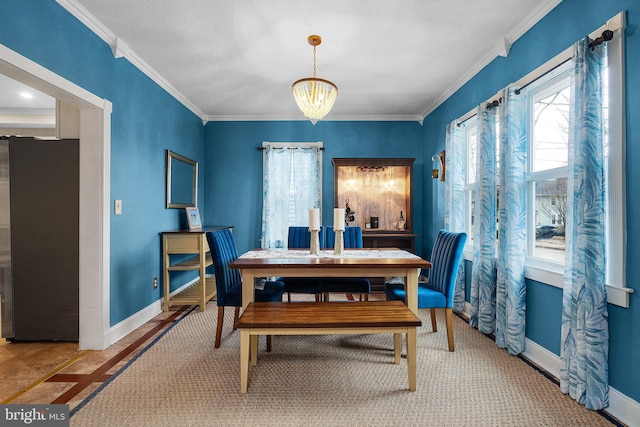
<point x="121" y="50"/>
<point x="300" y="118"/>
<point x="502" y="49"/>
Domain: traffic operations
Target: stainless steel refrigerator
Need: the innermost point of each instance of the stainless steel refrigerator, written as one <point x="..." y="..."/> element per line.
<point x="39" y="248"/>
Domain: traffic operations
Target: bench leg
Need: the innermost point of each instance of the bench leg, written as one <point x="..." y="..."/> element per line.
<point x="397" y="348"/>
<point x="411" y="357"/>
<point x="244" y="360"/>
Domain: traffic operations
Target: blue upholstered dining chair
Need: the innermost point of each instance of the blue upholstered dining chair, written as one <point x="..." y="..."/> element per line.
<point x="229" y="281"/>
<point x="439" y="288"/>
<point x="352" y="285"/>
<point x="300" y="238"/>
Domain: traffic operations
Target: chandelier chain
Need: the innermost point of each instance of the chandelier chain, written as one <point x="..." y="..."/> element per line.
<point x="314" y="61"/>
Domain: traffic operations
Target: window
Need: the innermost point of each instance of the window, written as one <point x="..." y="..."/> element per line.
<point x="547" y="173"/>
<point x="471" y="148"/>
<point x="548" y="96"/>
<point x="291" y="186"/>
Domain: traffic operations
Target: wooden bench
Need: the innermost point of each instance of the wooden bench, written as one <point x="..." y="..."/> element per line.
<point x="276" y="318"/>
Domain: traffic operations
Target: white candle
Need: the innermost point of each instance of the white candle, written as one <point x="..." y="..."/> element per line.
<point x="338" y="219"/>
<point x="314" y="219"/>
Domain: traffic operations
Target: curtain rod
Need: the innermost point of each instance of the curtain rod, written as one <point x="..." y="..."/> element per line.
<point x="543" y="74"/>
<point x="494" y="103"/>
<point x="605" y="37"/>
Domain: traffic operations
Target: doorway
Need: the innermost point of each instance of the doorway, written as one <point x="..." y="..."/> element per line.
<point x="95" y="142"/>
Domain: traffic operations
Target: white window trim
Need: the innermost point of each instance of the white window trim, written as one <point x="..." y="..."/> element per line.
<point x="551" y="273"/>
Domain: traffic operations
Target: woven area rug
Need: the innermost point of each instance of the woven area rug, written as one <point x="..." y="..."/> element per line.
<point x="334" y="380"/>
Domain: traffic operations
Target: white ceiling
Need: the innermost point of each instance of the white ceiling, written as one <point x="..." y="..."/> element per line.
<point x="237" y="59"/>
<point x="24" y="107"/>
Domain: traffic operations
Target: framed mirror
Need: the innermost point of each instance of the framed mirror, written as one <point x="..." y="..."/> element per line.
<point x="182" y="181"/>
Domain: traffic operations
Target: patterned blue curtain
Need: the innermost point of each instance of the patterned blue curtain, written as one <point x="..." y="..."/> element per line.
<point x="585" y="328"/>
<point x="483" y="276"/>
<point x="512" y="220"/>
<point x="291" y="186"/>
<point x="454" y="215"/>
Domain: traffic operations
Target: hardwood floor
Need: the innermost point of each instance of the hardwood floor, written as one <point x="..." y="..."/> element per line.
<point x="61" y="373"/>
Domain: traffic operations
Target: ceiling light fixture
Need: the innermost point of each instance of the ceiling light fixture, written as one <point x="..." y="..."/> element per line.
<point x="314" y="96"/>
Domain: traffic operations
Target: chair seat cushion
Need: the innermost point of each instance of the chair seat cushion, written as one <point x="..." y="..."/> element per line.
<point x="272" y="292"/>
<point x="427" y="297"/>
<point x="301" y="285"/>
<point x="346" y="284"/>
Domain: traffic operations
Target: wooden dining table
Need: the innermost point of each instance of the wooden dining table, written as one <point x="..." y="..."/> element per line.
<point x="380" y="262"/>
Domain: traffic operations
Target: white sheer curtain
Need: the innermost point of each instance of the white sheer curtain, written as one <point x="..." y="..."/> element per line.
<point x="454" y="206"/>
<point x="483" y="275"/>
<point x="584" y="373"/>
<point x="292" y="184"/>
<point x="511" y="290"/>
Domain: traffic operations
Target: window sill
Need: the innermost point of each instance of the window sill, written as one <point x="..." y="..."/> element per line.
<point x="553" y="275"/>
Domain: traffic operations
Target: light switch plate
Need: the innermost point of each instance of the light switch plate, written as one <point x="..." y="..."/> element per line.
<point x="117" y="207"/>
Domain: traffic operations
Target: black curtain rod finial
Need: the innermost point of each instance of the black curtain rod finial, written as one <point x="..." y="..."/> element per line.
<point x="605" y="37"/>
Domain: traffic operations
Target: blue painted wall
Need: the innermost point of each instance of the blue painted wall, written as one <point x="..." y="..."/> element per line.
<point x="233" y="176"/>
<point x="568" y="22"/>
<point x="145" y="121"/>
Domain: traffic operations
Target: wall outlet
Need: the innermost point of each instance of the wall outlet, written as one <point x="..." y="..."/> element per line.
<point x="155" y="283"/>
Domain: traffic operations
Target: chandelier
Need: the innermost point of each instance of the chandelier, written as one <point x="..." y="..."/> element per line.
<point x="314" y="96"/>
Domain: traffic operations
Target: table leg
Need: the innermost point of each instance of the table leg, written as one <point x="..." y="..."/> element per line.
<point x="411" y="289"/>
<point x="397" y="347"/>
<point x="411" y="357"/>
<point x="244" y="360"/>
<point x="248" y="287"/>
<point x="254" y="350"/>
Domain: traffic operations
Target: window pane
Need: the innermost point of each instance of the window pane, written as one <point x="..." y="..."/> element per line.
<point x="551" y="130"/>
<point x="472" y="149"/>
<point x="551" y="214"/>
<point x="471" y="196"/>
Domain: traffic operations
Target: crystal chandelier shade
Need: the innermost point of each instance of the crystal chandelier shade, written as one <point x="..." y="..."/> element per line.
<point x="315" y="97"/>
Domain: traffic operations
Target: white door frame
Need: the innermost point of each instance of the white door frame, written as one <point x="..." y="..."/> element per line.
<point x="94" y="215"/>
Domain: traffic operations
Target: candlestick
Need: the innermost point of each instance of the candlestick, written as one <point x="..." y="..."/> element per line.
<point x="338" y="219"/>
<point x="314" y="219"/>
<point x="338" y="246"/>
<point x="314" y="247"/>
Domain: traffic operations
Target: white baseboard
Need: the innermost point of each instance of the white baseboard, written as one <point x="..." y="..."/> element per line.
<point x="542" y="357"/>
<point x="621" y="407"/>
<point x="131" y="323"/>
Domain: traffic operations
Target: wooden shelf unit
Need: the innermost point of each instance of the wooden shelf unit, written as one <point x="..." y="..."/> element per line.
<point x="377" y="187"/>
<point x="188" y="242"/>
